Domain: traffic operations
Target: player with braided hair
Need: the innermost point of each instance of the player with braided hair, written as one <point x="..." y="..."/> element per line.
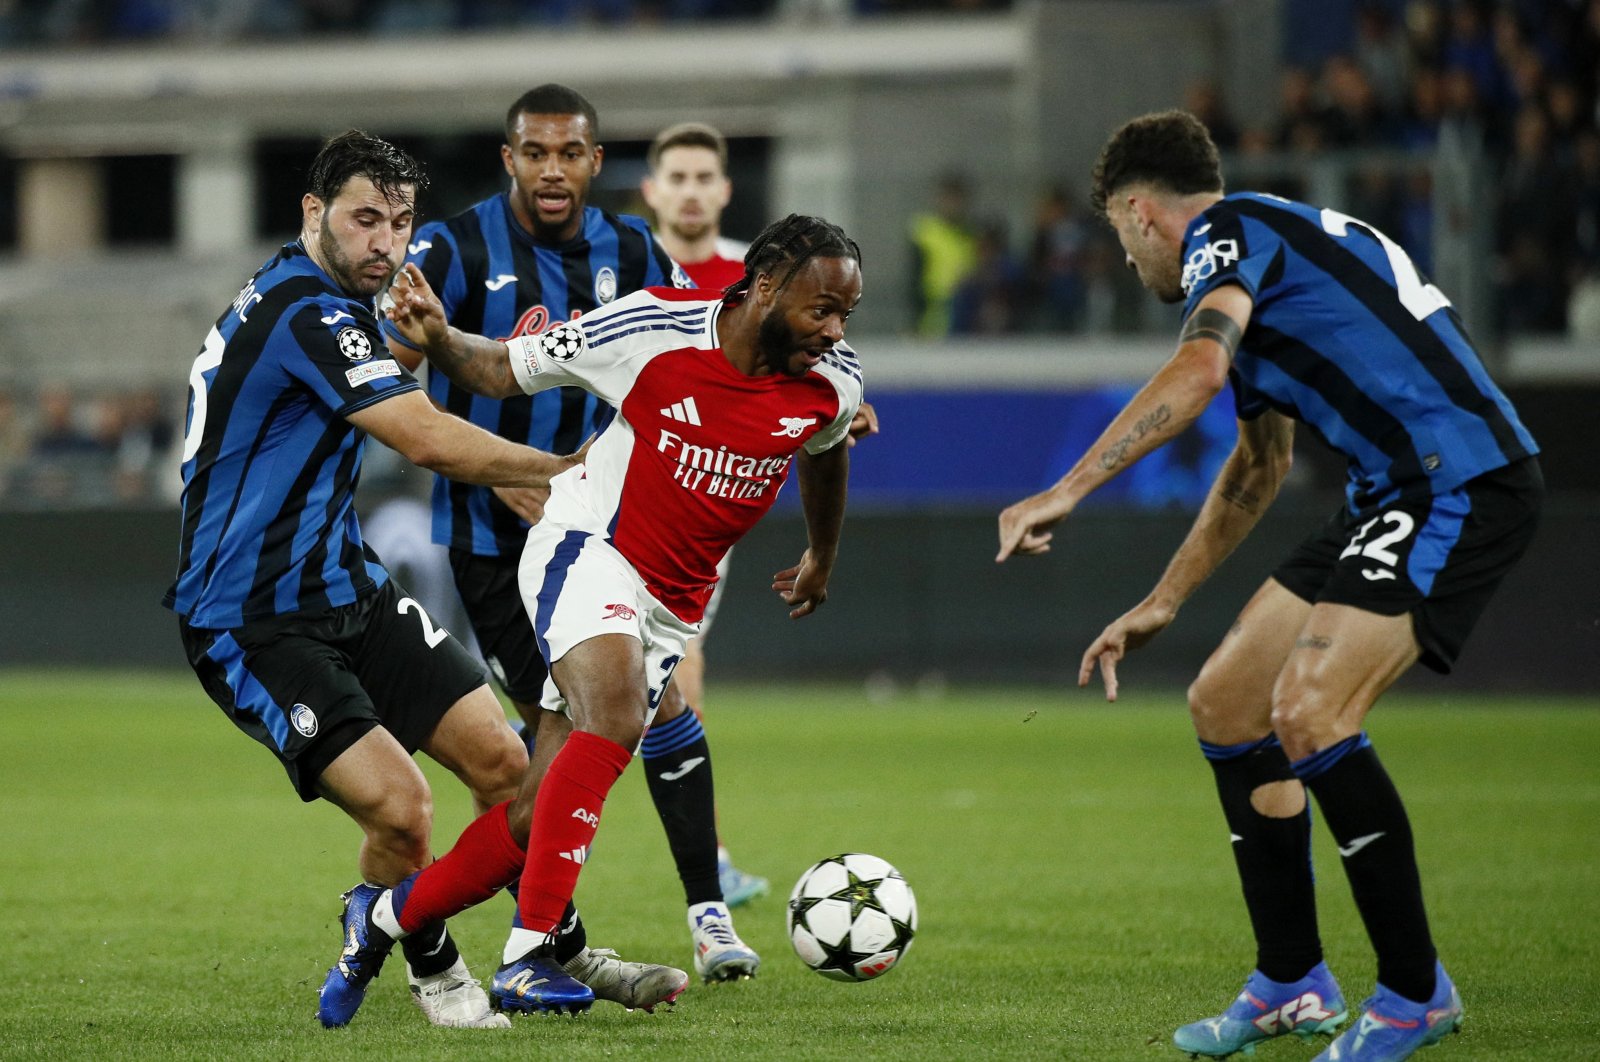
<point x="716" y="399"/>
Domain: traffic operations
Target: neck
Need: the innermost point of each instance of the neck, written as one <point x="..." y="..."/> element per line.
<point x="1188" y="207"/>
<point x="737" y="328"/>
<point x="313" y="249"/>
<point x="687" y="251"/>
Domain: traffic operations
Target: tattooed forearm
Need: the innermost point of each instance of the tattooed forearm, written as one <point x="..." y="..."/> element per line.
<point x="1214" y="325"/>
<point x="476" y="363"/>
<point x="1240" y="496"/>
<point x="1314" y="641"/>
<point x="1114" y="454"/>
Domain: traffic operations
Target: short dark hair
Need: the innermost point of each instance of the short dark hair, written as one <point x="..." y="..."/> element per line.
<point x="552" y="99"/>
<point x="1169" y="149"/>
<point x="357" y="154"/>
<point x="687" y="134"/>
<point x="793" y="241"/>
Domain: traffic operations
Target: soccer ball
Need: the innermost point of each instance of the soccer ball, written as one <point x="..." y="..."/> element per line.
<point x="851" y="917"/>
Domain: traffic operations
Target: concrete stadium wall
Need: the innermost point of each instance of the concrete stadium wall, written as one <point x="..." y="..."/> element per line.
<point x="916" y="598"/>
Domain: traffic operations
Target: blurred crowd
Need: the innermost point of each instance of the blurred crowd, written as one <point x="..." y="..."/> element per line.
<point x="62" y="447"/>
<point x="1510" y="83"/>
<point x="66" y="22"/>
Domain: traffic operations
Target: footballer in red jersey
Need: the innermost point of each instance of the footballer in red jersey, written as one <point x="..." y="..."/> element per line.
<point x="717" y="400"/>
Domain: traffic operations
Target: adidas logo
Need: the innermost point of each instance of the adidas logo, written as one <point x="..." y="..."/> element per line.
<point x="684" y="411"/>
<point x="579" y="855"/>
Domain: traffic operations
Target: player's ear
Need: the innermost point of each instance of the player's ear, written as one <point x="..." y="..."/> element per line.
<point x="311" y="209"/>
<point x="647" y="189"/>
<point x="508" y="159"/>
<point x="599" y="158"/>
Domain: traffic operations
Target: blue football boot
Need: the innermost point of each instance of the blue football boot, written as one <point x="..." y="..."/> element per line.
<point x="365" y="948"/>
<point x="536" y="984"/>
<point x="1267" y="1009"/>
<point x="1393" y="1027"/>
<point x="738" y="887"/>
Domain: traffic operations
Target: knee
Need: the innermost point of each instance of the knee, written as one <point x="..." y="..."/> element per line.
<point x="1299" y="715"/>
<point x="496" y="773"/>
<point x="1210" y="707"/>
<point x="402" y="824"/>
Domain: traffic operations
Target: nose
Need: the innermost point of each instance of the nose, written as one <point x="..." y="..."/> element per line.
<point x="833" y="328"/>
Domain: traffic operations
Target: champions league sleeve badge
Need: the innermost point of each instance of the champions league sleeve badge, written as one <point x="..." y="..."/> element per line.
<point x="354" y="344"/>
<point x="561" y="343"/>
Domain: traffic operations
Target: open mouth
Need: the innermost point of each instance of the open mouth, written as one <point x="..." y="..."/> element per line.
<point x="553" y="202"/>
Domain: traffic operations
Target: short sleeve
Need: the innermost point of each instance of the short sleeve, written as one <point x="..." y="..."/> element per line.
<point x="339" y="354"/>
<point x="840" y="368"/>
<point x="1220" y="250"/>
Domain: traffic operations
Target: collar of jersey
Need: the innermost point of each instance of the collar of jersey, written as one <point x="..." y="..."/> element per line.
<point x="526" y="238"/>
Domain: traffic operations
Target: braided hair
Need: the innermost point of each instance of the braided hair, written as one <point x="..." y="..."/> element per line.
<point x="794" y="240"/>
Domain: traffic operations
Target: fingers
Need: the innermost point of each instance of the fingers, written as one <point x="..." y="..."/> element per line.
<point x="1108" y="671"/>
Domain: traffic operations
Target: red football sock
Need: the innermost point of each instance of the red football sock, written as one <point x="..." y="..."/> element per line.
<point x="484" y="860"/>
<point x="566" y="814"/>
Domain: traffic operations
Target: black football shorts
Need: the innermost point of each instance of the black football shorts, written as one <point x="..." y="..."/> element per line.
<point x="310" y="684"/>
<point x="493" y="602"/>
<point x="1438" y="558"/>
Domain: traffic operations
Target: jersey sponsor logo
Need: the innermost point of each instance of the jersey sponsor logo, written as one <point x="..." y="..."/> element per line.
<point x="419" y="246"/>
<point x="562" y="343"/>
<point x="378" y="369"/>
<point x="721" y="472"/>
<point x="680" y="279"/>
<point x="605" y="285"/>
<point x="1203" y="263"/>
<point x="304" y="720"/>
<point x="340" y="313"/>
<point x="353" y="343"/>
<point x="500" y="281"/>
<point x="684" y="411"/>
<point x="534" y="319"/>
<point x="792" y="427"/>
<point x="619" y="611"/>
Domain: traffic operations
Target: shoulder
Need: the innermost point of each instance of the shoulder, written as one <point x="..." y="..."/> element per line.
<point x="841" y="368"/>
<point x="648" y="318"/>
<point x="733" y="250"/>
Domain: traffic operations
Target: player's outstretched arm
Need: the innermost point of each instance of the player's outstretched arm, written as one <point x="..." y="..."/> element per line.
<point x="479" y="364"/>
<point x="1245" y="486"/>
<point x="455" y="448"/>
<point x="823" y="484"/>
<point x="1177" y="394"/>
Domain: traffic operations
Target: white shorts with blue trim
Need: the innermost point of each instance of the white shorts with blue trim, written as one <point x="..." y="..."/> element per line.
<point x="576" y="586"/>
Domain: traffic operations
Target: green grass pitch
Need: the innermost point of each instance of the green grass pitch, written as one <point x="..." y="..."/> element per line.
<point x="163" y="895"/>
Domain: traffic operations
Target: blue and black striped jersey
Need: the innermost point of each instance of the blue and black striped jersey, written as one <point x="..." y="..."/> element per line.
<point x="270" y="463"/>
<point x="1349" y="339"/>
<point x="494" y="280"/>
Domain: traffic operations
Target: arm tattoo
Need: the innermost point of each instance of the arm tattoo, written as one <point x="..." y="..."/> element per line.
<point x="478" y="364"/>
<point x="1148" y="423"/>
<point x="1214" y="325"/>
<point x="1237" y="494"/>
<point x="1315" y="641"/>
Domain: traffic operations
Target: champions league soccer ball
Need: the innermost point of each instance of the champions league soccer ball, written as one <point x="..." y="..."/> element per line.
<point x="852" y="917"/>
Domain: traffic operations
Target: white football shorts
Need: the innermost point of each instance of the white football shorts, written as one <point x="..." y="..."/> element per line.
<point x="576" y="586"/>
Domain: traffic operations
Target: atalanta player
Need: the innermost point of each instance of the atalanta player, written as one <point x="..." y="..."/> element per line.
<point x="1315" y="318"/>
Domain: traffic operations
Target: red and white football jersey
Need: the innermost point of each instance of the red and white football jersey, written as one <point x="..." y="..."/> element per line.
<point x="698" y="450"/>
<point x="723" y="268"/>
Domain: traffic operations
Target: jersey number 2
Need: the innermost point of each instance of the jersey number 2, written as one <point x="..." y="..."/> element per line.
<point x="430" y="634"/>
<point x="1418" y="298"/>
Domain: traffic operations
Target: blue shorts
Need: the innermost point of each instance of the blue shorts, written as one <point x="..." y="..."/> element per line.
<point x="1436" y="557"/>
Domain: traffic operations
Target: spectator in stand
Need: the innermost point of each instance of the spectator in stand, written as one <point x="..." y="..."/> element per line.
<point x="1356" y="119"/>
<point x="1203" y="99"/>
<point x="944" y="251"/>
<point x="1382" y="54"/>
<point x="15" y="443"/>
<point x="1061" y="240"/>
<point x="1538" y="203"/>
<point x="989" y="300"/>
<point x="1302" y="121"/>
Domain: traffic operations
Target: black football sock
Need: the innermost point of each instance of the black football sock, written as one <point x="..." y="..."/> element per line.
<point x="430" y="950"/>
<point x="677" y="763"/>
<point x="1369" y="824"/>
<point x="1273" y="856"/>
<point x="570" y="938"/>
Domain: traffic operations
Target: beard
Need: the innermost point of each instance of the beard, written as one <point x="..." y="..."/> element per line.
<point x="690" y="230"/>
<point x="776" y="344"/>
<point x="348" y="276"/>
